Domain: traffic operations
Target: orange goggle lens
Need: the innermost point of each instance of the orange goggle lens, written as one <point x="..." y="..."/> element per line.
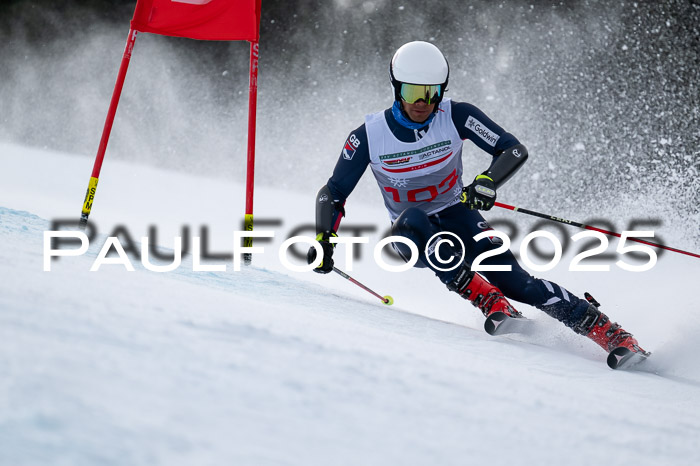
<point x="412" y="93"/>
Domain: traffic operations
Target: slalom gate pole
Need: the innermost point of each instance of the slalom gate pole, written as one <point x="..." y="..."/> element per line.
<point x="588" y="227"/>
<point x="388" y="300"/>
<point x="250" y="172"/>
<point x="92" y="185"/>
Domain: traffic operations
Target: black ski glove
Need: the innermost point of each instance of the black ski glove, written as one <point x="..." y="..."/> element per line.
<point x="326" y="265"/>
<point x="481" y="194"/>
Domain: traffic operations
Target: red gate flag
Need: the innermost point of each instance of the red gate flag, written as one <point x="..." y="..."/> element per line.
<point x="199" y="19"/>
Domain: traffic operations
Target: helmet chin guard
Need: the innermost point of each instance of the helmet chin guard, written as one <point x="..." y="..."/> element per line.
<point x="419" y="63"/>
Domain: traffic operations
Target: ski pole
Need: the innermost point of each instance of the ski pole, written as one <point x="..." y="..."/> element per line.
<point x="588" y="227"/>
<point x="388" y="300"/>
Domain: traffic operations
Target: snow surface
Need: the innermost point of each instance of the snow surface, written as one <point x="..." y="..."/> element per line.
<point x="270" y="367"/>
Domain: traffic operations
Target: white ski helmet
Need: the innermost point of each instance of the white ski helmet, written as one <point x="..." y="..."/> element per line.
<point x="419" y="63"/>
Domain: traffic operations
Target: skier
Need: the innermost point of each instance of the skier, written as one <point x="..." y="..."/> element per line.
<point x="414" y="150"/>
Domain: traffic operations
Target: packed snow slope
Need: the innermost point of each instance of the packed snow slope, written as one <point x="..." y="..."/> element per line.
<point x="265" y="366"/>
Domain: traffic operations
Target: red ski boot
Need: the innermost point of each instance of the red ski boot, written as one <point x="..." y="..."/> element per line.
<point x="501" y="317"/>
<point x="482" y="294"/>
<point x="622" y="347"/>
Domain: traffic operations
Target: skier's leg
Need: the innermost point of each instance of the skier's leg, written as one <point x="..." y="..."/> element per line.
<point x="415" y="225"/>
<point x="517" y="284"/>
<point x="578" y="314"/>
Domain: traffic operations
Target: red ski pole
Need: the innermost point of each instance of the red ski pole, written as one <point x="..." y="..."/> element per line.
<point x="102" y="148"/>
<point x="588" y="227"/>
<point x="388" y="300"/>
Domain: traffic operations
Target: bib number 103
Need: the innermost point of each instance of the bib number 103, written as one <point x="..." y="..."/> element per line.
<point x="575" y="265"/>
<point x="427" y="193"/>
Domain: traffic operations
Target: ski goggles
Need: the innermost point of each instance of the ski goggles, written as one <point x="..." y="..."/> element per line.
<point x="412" y="93"/>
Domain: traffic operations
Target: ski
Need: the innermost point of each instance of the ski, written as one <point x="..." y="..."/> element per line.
<point x="500" y="323"/>
<point x="624" y="358"/>
<point x="620" y="358"/>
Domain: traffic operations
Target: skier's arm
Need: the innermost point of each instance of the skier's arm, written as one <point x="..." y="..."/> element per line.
<point x="351" y="165"/>
<point x="474" y="125"/>
<point x="504" y="166"/>
<point x="508" y="153"/>
<point x="330" y="200"/>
